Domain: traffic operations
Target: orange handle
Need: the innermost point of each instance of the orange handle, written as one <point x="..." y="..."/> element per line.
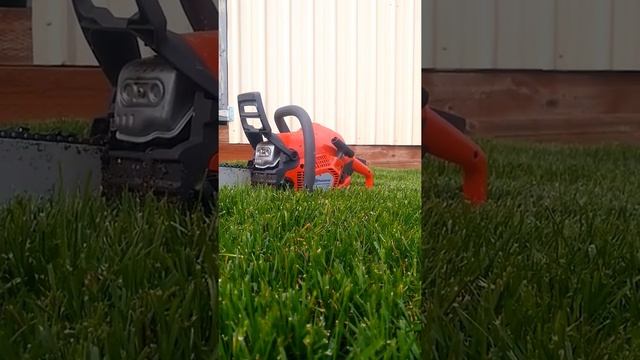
<point x="362" y="169"/>
<point x="443" y="140"/>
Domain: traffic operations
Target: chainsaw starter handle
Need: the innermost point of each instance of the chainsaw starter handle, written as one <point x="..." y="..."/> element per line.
<point x="342" y="147"/>
<point x="308" y="138"/>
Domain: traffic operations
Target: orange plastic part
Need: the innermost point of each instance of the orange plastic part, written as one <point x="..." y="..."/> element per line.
<point x="443" y="140"/>
<point x="205" y="44"/>
<point x="327" y="158"/>
<point x="214" y="163"/>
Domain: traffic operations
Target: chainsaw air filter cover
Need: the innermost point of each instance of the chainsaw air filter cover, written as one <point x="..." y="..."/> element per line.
<point x="153" y="100"/>
<point x="266" y="155"/>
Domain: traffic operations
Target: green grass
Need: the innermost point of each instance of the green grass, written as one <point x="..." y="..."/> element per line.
<point x="67" y="126"/>
<point x="322" y="275"/>
<point x="549" y="268"/>
<point x="81" y="278"/>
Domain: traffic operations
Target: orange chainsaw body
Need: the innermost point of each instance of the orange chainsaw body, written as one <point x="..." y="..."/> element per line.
<point x="205" y="45"/>
<point x="328" y="159"/>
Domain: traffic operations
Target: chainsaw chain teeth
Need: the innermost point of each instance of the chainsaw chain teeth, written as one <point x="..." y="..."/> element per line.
<point x="23" y="133"/>
<point x="233" y="166"/>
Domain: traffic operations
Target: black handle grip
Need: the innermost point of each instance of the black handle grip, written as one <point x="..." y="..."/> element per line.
<point x="308" y="137"/>
<point x="253" y="134"/>
<point x="202" y="14"/>
<point x="150" y="14"/>
<point x="342" y="147"/>
<point x="425" y="97"/>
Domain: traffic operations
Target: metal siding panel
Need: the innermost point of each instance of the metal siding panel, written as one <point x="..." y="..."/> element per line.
<point x="386" y="80"/>
<point x="278" y="55"/>
<point x="539" y="44"/>
<point x="525" y="34"/>
<point x="428" y="31"/>
<point x="234" y="46"/>
<point x="250" y="41"/>
<point x="412" y="134"/>
<point x="448" y="33"/>
<point x="325" y="67"/>
<point x="626" y="47"/>
<point x="465" y="34"/>
<point x="352" y="64"/>
<point x="367" y="52"/>
<point x="50" y="32"/>
<point x="407" y="42"/>
<point x="584" y="35"/>
<point x="346" y="69"/>
<point x="302" y="55"/>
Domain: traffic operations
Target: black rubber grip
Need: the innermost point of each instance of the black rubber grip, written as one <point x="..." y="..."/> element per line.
<point x="308" y="139"/>
<point x="342" y="147"/>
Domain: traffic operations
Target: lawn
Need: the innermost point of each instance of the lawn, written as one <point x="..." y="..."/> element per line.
<point x="549" y="268"/>
<point x="331" y="274"/>
<point x="323" y="275"/>
<point x="132" y="278"/>
<point x="83" y="278"/>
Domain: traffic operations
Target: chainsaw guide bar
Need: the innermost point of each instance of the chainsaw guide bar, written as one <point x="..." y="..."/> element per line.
<point x="43" y="164"/>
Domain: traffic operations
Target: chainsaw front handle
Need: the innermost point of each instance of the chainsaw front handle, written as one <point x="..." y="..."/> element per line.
<point x="308" y="139"/>
<point x="443" y="140"/>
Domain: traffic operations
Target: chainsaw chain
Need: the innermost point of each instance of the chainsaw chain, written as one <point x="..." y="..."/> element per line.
<point x="23" y="133"/>
<point x="233" y="166"/>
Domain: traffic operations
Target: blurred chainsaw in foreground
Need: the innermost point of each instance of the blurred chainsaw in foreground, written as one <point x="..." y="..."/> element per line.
<point x="443" y="135"/>
<point x="160" y="134"/>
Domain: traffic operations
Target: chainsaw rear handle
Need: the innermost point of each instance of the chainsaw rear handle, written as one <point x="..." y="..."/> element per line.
<point x="253" y="99"/>
<point x="442" y="139"/>
<point x="308" y="139"/>
<point x="114" y="41"/>
<point x="202" y="14"/>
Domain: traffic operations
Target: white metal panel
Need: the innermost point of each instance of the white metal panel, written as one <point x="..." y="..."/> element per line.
<point x="584" y="34"/>
<point x="428" y="33"/>
<point x="58" y="40"/>
<point x="465" y="33"/>
<point x="525" y="34"/>
<point x="354" y="65"/>
<point x="532" y="34"/>
<point x="50" y="41"/>
<point x="626" y="31"/>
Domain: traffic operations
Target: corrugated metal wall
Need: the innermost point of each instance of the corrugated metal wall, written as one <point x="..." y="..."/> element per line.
<point x="531" y="34"/>
<point x="354" y="65"/>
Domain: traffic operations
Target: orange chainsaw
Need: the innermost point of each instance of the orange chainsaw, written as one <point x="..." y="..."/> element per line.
<point x="160" y="133"/>
<point x="310" y="158"/>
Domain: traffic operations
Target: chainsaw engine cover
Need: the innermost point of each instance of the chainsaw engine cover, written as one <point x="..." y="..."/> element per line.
<point x="153" y="100"/>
